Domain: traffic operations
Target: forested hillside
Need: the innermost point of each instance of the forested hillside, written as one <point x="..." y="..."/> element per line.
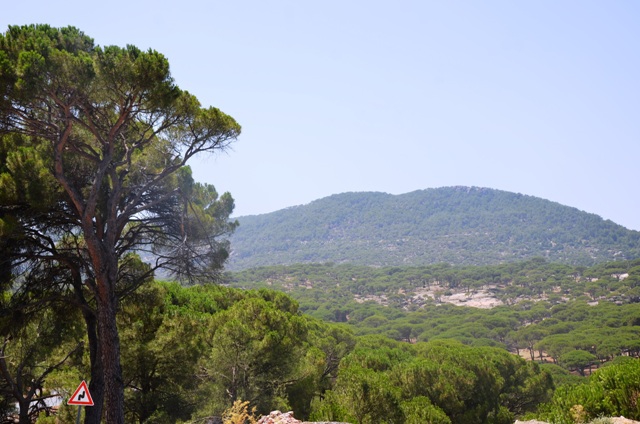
<point x="571" y="321"/>
<point x="455" y="225"/>
<point x="518" y="305"/>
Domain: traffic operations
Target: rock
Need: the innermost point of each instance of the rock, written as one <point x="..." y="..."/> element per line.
<point x="277" y="417"/>
<point x="614" y="420"/>
<point x="623" y="420"/>
<point x="530" y="422"/>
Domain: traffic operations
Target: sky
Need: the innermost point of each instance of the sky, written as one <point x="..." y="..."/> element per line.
<point x="534" y="97"/>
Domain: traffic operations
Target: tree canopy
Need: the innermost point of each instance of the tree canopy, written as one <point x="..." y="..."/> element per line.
<point x="97" y="142"/>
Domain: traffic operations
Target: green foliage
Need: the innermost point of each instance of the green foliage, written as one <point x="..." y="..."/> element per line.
<point x="95" y="143"/>
<point x="577" y="360"/>
<point x="189" y="352"/>
<point x="368" y="396"/>
<point x="440" y="381"/>
<point x="255" y="348"/>
<point x="239" y="345"/>
<point x="160" y="351"/>
<point x="390" y="301"/>
<point x="182" y="347"/>
<point x="456" y="225"/>
<point x="610" y="391"/>
<point x="35" y="345"/>
<point x="420" y="410"/>
<point x="560" y="375"/>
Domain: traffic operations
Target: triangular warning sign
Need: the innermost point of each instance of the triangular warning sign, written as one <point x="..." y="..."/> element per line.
<point x="81" y="396"/>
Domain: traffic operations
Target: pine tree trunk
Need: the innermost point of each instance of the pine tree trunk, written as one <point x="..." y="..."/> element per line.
<point x="110" y="353"/>
<point x="105" y="265"/>
<point x="108" y="338"/>
<point x="93" y="414"/>
<point x="23" y="414"/>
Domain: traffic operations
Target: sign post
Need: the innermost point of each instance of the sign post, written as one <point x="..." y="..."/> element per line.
<point x="81" y="397"/>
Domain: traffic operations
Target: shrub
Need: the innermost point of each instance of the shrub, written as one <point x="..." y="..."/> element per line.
<point x="610" y="391"/>
<point x="239" y="413"/>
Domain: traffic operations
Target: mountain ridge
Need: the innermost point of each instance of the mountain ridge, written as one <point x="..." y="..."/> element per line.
<point x="458" y="225"/>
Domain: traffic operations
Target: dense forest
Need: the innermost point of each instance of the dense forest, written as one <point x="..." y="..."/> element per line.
<point x="531" y="306"/>
<point x="345" y="344"/>
<point x="456" y="225"/>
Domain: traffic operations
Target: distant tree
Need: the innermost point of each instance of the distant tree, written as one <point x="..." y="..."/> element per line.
<point x="578" y="360"/>
<point x="114" y="134"/>
<point x="527" y="337"/>
<point x="555" y="345"/>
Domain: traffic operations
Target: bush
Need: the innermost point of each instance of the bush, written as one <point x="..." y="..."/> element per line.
<point x="239" y="414"/>
<point x="611" y="391"/>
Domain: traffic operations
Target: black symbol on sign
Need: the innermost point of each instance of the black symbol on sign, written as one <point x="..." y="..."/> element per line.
<point x="81" y="395"/>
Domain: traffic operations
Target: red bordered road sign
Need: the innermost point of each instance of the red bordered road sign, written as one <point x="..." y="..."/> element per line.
<point x="81" y="397"/>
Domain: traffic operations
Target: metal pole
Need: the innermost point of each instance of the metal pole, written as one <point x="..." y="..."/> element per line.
<point x="79" y="413"/>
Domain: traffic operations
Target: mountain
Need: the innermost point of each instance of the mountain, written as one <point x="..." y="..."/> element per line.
<point x="456" y="225"/>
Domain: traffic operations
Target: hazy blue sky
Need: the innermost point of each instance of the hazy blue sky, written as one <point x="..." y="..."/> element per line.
<point x="534" y="97"/>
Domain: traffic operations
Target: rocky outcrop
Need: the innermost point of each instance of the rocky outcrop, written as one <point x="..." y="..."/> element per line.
<point x="277" y="417"/>
<point x="614" y="420"/>
<point x="530" y="422"/>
